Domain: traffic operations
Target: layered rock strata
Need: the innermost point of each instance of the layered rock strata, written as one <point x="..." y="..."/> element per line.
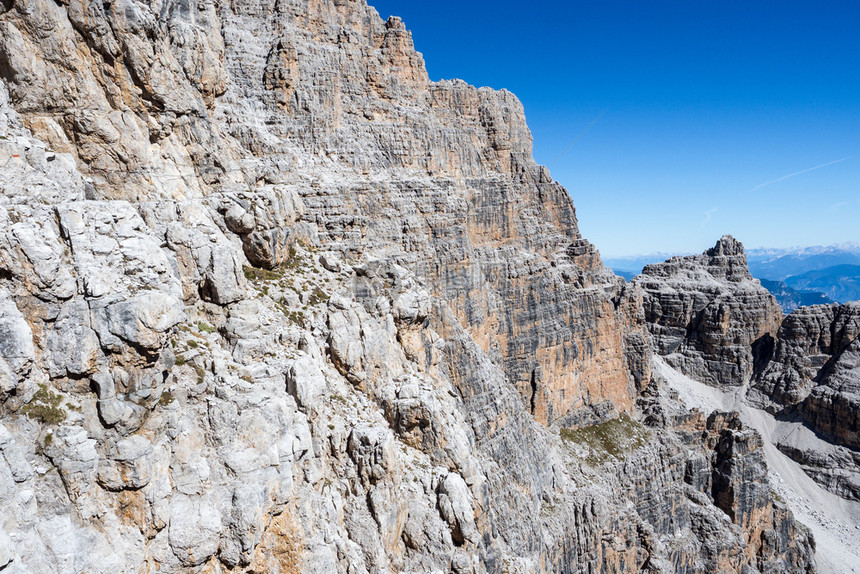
<point x="813" y="376"/>
<point x="271" y="300"/>
<point x="833" y="406"/>
<point x="805" y="370"/>
<point x="707" y="315"/>
<point x="807" y="346"/>
<point x="330" y="104"/>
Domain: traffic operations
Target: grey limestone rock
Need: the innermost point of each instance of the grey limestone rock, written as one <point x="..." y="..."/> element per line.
<point x="273" y="301"/>
<point x="372" y="450"/>
<point x="72" y="345"/>
<point x="75" y="456"/>
<point x="223" y="281"/>
<point x="812" y="375"/>
<point x="813" y="370"/>
<point x="710" y="319"/>
<point x="238" y="220"/>
<point x="195" y="527"/>
<point x="833" y="406"/>
<point x="16" y="343"/>
<point x="305" y="382"/>
<point x="707" y="315"/>
<point x="143" y="319"/>
<point x="835" y="467"/>
<point x="807" y="343"/>
<point x="455" y="506"/>
<point x="128" y="465"/>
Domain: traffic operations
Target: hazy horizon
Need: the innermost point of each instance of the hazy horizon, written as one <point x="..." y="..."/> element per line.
<point x="674" y="123"/>
<point x="848" y="245"/>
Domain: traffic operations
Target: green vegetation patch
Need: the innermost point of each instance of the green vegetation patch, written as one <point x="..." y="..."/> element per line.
<point x="294" y="262"/>
<point x="318" y="296"/>
<point x="166" y="398"/>
<point x="45" y="407"/>
<point x="295" y="317"/>
<point x="339" y="399"/>
<point x="205" y="328"/>
<point x="612" y="439"/>
<point x="258" y="274"/>
<point x="201" y="373"/>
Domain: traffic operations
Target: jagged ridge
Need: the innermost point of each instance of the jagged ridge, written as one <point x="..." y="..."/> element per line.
<point x="275" y="301"/>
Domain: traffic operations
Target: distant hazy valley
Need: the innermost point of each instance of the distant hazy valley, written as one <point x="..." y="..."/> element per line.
<point x="797" y="277"/>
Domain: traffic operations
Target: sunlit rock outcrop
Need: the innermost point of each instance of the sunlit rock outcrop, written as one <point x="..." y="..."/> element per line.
<point x="272" y="301"/>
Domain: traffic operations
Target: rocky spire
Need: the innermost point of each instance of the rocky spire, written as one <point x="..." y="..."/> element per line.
<point x="706" y="313"/>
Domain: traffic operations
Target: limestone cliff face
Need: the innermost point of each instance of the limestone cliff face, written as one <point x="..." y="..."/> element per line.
<point x="812" y="374"/>
<point x="708" y="315"/>
<point x="271" y="300"/>
<point x="327" y="103"/>
<point x="808" y="345"/>
<point x="832" y="406"/>
<point x="736" y="479"/>
<point x="713" y="321"/>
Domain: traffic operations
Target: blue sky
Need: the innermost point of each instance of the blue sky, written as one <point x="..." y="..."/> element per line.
<point x="704" y="110"/>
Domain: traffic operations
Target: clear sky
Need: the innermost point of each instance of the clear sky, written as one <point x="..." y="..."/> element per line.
<point x="710" y="113"/>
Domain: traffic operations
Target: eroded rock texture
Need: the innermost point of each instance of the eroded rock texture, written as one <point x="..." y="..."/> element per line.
<point x="711" y="320"/>
<point x="708" y="316"/>
<point x="272" y="301"/>
<point x="813" y="375"/>
<point x="808" y="343"/>
<point x="833" y="406"/>
<point x="736" y="479"/>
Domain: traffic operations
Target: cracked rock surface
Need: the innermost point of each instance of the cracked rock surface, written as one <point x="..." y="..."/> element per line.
<point x="712" y="321"/>
<point x="272" y="301"/>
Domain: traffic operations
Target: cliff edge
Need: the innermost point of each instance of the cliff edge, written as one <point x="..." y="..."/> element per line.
<point x="271" y="300"/>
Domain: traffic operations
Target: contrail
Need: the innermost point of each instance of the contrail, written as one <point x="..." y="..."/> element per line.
<point x="783" y="178"/>
<point x="840" y="204"/>
<point x="579" y="137"/>
<point x="708" y="215"/>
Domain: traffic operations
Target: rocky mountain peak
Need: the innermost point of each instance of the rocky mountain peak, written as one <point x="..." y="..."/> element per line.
<point x="727" y="246"/>
<point x="726" y="260"/>
<point x="712" y="321"/>
<point x="706" y="312"/>
<point x="272" y="301"/>
<point x="395" y="23"/>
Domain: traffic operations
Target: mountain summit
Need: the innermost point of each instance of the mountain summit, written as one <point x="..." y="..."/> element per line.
<point x="272" y="301"/>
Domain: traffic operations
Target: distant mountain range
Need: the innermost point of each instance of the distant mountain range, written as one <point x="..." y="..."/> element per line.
<point x="627" y="275"/>
<point x="781" y="264"/>
<point x="790" y="299"/>
<point x="839" y="282"/>
<point x="796" y="277"/>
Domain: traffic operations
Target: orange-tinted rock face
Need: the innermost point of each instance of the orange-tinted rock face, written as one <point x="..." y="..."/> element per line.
<point x="337" y="322"/>
<point x="492" y="234"/>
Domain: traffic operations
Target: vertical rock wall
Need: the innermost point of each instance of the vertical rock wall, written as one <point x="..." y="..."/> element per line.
<point x="271" y="300"/>
<point x="708" y="316"/>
